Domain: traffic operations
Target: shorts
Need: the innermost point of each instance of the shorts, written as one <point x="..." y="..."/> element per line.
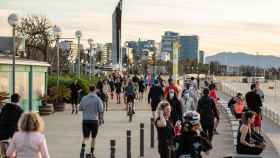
<point x="90" y="127"/>
<point x="75" y="99"/>
<point x="258" y="120"/>
<point x="130" y="98"/>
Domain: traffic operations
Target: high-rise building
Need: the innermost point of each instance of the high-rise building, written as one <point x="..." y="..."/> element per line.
<point x="167" y="40"/>
<point x="201" y="57"/>
<point x="107" y="54"/>
<point x="116" y="32"/>
<point x="189" y="47"/>
<point x="140" y="46"/>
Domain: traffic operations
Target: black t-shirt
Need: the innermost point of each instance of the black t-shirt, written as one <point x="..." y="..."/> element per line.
<point x="9" y="117"/>
<point x="165" y="134"/>
<point x="207" y="110"/>
<point x="253" y="101"/>
<point x="75" y="88"/>
<point x="141" y="85"/>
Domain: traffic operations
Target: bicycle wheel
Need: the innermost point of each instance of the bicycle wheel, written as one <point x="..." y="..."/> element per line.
<point x="130" y="113"/>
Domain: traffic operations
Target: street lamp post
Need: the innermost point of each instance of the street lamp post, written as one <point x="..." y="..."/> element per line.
<point x="90" y="42"/>
<point x="78" y="35"/>
<point x="13" y="20"/>
<point x="57" y="32"/>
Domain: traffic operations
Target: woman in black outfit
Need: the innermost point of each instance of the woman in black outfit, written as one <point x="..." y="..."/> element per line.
<point x="176" y="107"/>
<point x="118" y="86"/>
<point x="165" y="131"/>
<point x="141" y="88"/>
<point x="245" y="142"/>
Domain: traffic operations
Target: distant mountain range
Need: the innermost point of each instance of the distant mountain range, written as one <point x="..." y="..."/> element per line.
<point x="240" y="58"/>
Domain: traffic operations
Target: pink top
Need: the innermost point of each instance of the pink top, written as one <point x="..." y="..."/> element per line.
<point x="28" y="145"/>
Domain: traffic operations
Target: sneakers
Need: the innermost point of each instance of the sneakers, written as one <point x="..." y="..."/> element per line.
<point x="82" y="154"/>
<point x="215" y="132"/>
<point x="91" y="155"/>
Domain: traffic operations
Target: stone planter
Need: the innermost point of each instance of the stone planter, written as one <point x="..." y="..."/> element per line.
<point x="46" y="109"/>
<point x="59" y="106"/>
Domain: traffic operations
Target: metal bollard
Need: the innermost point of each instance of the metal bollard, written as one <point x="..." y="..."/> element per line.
<point x="141" y="139"/>
<point x="278" y="119"/>
<point x="265" y="111"/>
<point x="128" y="149"/>
<point x="152" y="133"/>
<point x="113" y="148"/>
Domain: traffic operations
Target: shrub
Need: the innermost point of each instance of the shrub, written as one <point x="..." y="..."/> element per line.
<point x="65" y="80"/>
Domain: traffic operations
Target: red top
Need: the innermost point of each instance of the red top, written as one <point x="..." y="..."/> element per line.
<point x="213" y="95"/>
<point x="172" y="86"/>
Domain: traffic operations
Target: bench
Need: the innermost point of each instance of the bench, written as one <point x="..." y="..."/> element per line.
<point x="234" y="127"/>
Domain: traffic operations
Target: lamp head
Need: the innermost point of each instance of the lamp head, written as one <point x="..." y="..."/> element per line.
<point x="13" y="19"/>
<point x="56" y="30"/>
<point x="78" y="34"/>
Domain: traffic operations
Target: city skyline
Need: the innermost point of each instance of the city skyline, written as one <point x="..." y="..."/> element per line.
<point x="233" y="25"/>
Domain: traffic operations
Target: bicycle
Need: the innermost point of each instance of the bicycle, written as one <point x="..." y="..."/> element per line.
<point x="130" y="104"/>
<point x="4" y="144"/>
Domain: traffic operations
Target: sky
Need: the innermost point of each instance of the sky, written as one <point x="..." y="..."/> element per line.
<point x="222" y="25"/>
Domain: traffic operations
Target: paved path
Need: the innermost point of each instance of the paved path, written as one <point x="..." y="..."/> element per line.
<point x="271" y="132"/>
<point x="63" y="132"/>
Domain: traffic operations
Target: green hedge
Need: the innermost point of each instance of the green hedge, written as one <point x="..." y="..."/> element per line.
<point x="67" y="79"/>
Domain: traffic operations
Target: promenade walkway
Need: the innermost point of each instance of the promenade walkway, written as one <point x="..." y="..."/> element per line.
<point x="63" y="132"/>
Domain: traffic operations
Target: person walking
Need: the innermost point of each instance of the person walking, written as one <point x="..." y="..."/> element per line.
<point x="214" y="96"/>
<point x="92" y="108"/>
<point x="105" y="90"/>
<point x="112" y="87"/>
<point x="30" y="141"/>
<point x="155" y="95"/>
<point x="194" y="83"/>
<point x="165" y="131"/>
<point x="187" y="101"/>
<point x="141" y="88"/>
<point x="118" y="86"/>
<point x="208" y="112"/>
<point x="254" y="103"/>
<point x="176" y="112"/>
<point x="9" y="117"/>
<point x="75" y="93"/>
<point x="170" y="86"/>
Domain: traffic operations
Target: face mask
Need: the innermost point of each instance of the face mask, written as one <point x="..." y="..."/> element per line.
<point x="171" y="95"/>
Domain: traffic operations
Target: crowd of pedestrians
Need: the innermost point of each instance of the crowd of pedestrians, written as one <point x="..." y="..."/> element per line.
<point x="185" y="121"/>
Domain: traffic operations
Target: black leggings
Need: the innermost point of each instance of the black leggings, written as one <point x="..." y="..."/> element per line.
<point x="208" y="129"/>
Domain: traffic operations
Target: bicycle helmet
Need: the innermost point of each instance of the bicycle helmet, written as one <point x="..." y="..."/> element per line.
<point x="192" y="117"/>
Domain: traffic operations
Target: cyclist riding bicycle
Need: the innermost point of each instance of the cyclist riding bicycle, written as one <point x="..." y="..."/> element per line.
<point x="130" y="95"/>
